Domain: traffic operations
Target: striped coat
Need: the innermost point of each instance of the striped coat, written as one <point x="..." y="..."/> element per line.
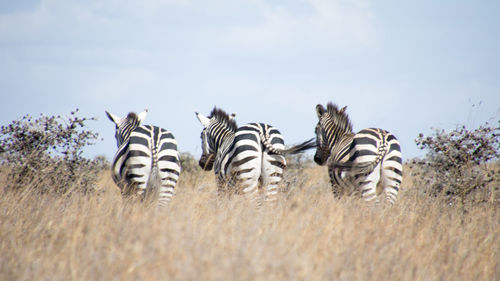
<point x="368" y="162"/>
<point x="245" y="159"/>
<point x="147" y="161"/>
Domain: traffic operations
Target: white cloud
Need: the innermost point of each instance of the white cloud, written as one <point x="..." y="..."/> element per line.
<point x="325" y="25"/>
<point x="252" y="25"/>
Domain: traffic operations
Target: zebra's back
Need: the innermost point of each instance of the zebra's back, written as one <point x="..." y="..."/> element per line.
<point x="248" y="159"/>
<point x="150" y="152"/>
<point x="377" y="155"/>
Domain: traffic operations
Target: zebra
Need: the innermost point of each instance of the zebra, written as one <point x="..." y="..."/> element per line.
<point x="147" y="161"/>
<point x="245" y="159"/>
<point x="367" y="162"/>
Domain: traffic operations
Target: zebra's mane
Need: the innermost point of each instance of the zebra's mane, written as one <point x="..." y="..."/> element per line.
<point x="339" y="117"/>
<point x="132" y="116"/>
<point x="223" y="117"/>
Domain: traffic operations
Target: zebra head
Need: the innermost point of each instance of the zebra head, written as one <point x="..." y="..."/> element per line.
<point x="125" y="126"/>
<point x="333" y="123"/>
<point x="216" y="128"/>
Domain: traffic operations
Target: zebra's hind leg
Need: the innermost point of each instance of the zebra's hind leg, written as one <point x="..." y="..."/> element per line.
<point x="368" y="184"/>
<point x="392" y="175"/>
<point x="165" y="195"/>
<point x="391" y="193"/>
<point x="271" y="186"/>
<point x="167" y="187"/>
<point x="246" y="175"/>
<point x="251" y="190"/>
<point x="391" y="181"/>
<point x="272" y="174"/>
<point x="248" y="181"/>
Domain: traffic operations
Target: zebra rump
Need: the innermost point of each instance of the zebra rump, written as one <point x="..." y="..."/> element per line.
<point x="147" y="161"/>
<point x="247" y="158"/>
<point x="367" y="162"/>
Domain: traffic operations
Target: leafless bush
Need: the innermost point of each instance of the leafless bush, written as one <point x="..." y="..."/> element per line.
<point x="45" y="153"/>
<point x="191" y="171"/>
<point x="459" y="164"/>
<point x="294" y="175"/>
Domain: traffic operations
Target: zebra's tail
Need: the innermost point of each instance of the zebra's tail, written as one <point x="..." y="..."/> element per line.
<point x="153" y="185"/>
<point x="361" y="167"/>
<point x="355" y="168"/>
<point x="309" y="144"/>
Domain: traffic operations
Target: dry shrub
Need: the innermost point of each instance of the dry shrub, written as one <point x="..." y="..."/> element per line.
<point x="46" y="154"/>
<point x="295" y="175"/>
<point x="190" y="169"/>
<point x="459" y="165"/>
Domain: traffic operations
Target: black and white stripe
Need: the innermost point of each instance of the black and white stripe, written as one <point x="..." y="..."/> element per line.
<point x="368" y="162"/>
<point x="147" y="162"/>
<point x="247" y="158"/>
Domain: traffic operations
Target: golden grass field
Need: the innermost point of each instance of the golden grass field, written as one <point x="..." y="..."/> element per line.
<point x="308" y="235"/>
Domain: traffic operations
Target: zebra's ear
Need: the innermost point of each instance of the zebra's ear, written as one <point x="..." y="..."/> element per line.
<point x="203" y="120"/>
<point x="320" y="110"/>
<point x="232" y="116"/>
<point x="115" y="119"/>
<point x="342" y="110"/>
<point x="142" y="115"/>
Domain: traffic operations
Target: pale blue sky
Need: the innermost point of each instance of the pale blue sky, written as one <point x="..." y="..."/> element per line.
<point x="404" y="66"/>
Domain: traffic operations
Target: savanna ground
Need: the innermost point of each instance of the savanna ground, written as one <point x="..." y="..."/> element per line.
<point x="308" y="235"/>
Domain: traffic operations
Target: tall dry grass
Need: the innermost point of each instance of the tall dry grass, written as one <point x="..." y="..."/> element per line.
<point x="308" y="235"/>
